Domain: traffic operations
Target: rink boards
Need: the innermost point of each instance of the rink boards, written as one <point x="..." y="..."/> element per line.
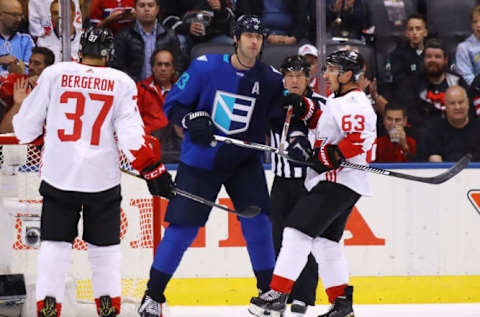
<point x="409" y="243"/>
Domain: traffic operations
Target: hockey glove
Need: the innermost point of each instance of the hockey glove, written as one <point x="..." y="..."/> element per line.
<point x="326" y="157"/>
<point x="200" y="127"/>
<point x="159" y="180"/>
<point x="303" y="108"/>
<point x="299" y="149"/>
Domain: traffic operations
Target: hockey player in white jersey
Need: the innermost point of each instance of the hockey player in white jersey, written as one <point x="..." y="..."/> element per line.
<point x="346" y="130"/>
<point x="83" y="108"/>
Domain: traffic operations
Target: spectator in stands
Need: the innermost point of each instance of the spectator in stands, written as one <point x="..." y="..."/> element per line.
<point x="407" y="58"/>
<point x="424" y="92"/>
<point x="135" y="44"/>
<point x="199" y="21"/>
<point x="474" y="96"/>
<point x="310" y="53"/>
<point x="395" y="145"/>
<point x="468" y="52"/>
<point x="151" y="96"/>
<point x="15" y="47"/>
<point x="346" y="18"/>
<point x="52" y="39"/>
<point x="113" y="14"/>
<point x="41" y="20"/>
<point x="15" y="87"/>
<point x="287" y="21"/>
<point x="451" y="137"/>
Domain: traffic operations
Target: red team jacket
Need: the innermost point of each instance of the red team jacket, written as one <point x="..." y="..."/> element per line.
<point x="392" y="152"/>
<point x="150" y="103"/>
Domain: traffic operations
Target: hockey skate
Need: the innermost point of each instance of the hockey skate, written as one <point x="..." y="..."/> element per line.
<point x="49" y="308"/>
<point x="105" y="308"/>
<point x="342" y="306"/>
<point x="298" y="309"/>
<point x="151" y="308"/>
<point x="271" y="304"/>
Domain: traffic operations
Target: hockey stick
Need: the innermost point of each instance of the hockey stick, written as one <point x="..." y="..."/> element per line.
<point x="286" y="126"/>
<point x="438" y="179"/>
<point x="249" y="212"/>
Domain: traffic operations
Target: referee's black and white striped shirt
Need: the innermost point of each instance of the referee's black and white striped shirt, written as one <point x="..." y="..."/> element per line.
<point x="280" y="166"/>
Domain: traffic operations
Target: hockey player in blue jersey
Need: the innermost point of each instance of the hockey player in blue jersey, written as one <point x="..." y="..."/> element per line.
<point x="227" y="95"/>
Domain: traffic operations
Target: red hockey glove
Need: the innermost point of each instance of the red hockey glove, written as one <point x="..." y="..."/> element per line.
<point x="159" y="180"/>
<point x="326" y="157"/>
<point x="303" y="108"/>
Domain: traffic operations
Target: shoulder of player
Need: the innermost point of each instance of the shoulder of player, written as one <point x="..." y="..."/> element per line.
<point x="209" y="62"/>
<point x="268" y="75"/>
<point x="350" y="101"/>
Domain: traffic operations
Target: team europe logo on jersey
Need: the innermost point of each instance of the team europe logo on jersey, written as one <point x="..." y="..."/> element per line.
<point x="231" y="113"/>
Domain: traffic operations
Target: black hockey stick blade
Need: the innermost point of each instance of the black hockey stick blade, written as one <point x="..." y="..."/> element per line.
<point x="249" y="212"/>
<point x="438" y="179"/>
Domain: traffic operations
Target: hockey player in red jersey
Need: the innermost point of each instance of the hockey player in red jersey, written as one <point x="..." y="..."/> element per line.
<point x="346" y="130"/>
<point x="84" y="109"/>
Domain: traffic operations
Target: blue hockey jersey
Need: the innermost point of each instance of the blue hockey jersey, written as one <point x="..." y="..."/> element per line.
<point x="240" y="103"/>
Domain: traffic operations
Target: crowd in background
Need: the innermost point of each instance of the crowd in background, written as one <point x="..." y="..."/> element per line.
<point x="423" y="84"/>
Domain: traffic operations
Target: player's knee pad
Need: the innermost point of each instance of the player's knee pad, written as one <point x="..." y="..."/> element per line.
<point x="326" y="250"/>
<point x="332" y="265"/>
<point x="258" y="228"/>
<point x="180" y="236"/>
<point x="297" y="241"/>
<point x="105" y="262"/>
<point x="293" y="256"/>
<point x="257" y="232"/>
<point x="53" y="262"/>
<point x="175" y="242"/>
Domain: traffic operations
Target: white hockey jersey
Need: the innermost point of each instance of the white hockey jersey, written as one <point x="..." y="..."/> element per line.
<point x="351" y="114"/>
<point x="82" y="108"/>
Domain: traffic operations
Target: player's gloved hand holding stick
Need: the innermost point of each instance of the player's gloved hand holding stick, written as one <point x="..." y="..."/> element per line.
<point x="159" y="180"/>
<point x="326" y="157"/>
<point x="200" y="127"/>
<point x="303" y="108"/>
<point x="148" y="163"/>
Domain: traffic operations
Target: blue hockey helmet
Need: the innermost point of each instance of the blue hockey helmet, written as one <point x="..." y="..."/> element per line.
<point x="250" y="24"/>
<point x="97" y="42"/>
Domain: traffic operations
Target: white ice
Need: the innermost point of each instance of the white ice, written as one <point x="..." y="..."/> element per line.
<point x="421" y="310"/>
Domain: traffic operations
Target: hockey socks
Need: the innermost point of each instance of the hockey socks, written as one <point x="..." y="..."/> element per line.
<point x="169" y="253"/>
<point x="332" y="266"/>
<point x="106" y="277"/>
<point x="257" y="232"/>
<point x="53" y="262"/>
<point x="335" y="291"/>
<point x="293" y="256"/>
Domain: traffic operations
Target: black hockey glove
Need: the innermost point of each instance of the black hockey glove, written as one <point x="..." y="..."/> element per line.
<point x="299" y="149"/>
<point x="200" y="127"/>
<point x="326" y="158"/>
<point x="159" y="180"/>
<point x="302" y="108"/>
